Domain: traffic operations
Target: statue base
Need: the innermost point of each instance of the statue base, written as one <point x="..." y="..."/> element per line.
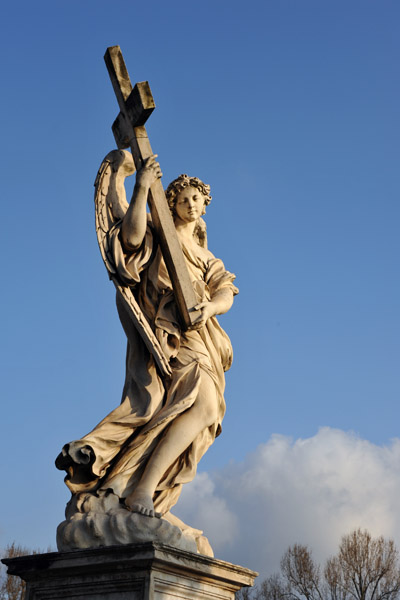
<point x="150" y="571"/>
<point x="98" y="520"/>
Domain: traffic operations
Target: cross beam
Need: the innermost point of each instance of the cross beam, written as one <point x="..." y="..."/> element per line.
<point x="136" y="105"/>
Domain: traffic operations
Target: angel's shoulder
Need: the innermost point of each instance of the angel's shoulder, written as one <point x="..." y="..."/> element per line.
<point x="209" y="255"/>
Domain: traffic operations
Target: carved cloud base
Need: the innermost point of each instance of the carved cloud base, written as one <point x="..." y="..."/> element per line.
<point x="137" y="571"/>
<point x="97" y="520"/>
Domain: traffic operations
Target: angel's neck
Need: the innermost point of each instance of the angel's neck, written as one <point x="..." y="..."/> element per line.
<point x="185" y="230"/>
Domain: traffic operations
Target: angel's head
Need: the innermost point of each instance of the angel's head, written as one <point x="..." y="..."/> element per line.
<point x="187" y="199"/>
<point x="188" y="195"/>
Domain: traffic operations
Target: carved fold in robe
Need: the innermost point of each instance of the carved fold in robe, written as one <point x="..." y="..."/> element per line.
<point x="114" y="455"/>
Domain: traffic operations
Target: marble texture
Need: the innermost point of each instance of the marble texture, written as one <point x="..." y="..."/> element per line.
<point x="150" y="445"/>
<point x="137" y="572"/>
<point x="127" y="473"/>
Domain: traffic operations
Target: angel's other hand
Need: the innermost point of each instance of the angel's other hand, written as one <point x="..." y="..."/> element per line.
<point x="207" y="310"/>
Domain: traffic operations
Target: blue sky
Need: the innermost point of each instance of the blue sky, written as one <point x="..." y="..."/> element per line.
<point x="289" y="109"/>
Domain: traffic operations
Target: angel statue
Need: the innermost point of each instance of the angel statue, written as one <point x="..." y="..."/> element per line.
<point x="127" y="473"/>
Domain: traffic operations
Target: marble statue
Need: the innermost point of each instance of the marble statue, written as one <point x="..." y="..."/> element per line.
<point x="127" y="473"/>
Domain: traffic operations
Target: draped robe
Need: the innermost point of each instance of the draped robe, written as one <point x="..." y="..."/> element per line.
<point x="115" y="453"/>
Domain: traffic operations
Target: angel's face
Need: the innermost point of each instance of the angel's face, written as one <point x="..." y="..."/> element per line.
<point x="189" y="205"/>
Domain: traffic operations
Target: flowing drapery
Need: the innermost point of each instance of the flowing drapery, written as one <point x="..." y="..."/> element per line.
<point x="116" y="451"/>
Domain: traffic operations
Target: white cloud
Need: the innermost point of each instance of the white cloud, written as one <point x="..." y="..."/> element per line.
<point x="311" y="491"/>
<point x="200" y="507"/>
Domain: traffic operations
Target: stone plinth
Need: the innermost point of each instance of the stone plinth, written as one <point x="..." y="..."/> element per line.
<point x="148" y="571"/>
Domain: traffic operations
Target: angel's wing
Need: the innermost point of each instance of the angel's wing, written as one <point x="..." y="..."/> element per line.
<point x="200" y="233"/>
<point x="110" y="198"/>
<point x="110" y="207"/>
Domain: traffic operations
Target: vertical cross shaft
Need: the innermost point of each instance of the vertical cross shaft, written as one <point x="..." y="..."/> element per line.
<point x="136" y="105"/>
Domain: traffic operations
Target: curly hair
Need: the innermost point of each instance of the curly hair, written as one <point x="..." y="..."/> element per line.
<point x="182" y="182"/>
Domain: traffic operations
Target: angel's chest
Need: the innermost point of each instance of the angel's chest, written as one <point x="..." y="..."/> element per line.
<point x="158" y="273"/>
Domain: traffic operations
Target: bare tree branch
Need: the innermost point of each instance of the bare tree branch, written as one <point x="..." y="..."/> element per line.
<point x="363" y="569"/>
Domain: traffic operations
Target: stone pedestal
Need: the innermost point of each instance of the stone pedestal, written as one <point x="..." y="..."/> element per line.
<point x="150" y="571"/>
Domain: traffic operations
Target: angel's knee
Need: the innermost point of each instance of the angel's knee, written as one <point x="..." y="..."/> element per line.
<point x="206" y="405"/>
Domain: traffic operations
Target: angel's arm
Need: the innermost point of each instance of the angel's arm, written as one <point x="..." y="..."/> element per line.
<point x="219" y="304"/>
<point x="135" y="220"/>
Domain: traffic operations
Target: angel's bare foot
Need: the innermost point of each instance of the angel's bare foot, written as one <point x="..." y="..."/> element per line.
<point x="141" y="503"/>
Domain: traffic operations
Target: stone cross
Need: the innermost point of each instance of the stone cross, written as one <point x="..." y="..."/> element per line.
<point x="136" y="105"/>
